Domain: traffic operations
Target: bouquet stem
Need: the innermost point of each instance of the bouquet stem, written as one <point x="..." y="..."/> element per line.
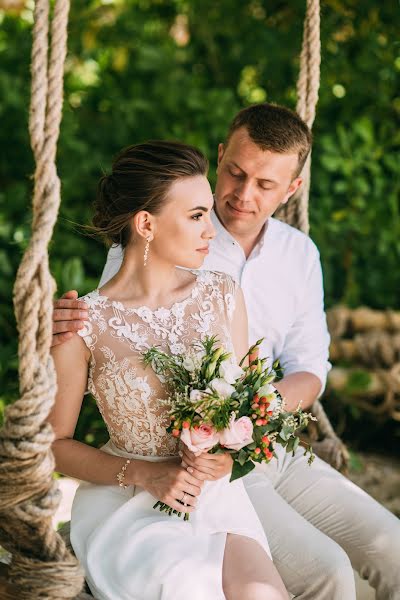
<point x="162" y="507"/>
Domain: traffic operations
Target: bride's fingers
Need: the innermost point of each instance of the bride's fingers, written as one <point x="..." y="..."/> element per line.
<point x="173" y="503"/>
<point x="198" y="466"/>
<point x="200" y="475"/>
<point x="194" y="489"/>
<point x="202" y="464"/>
<point x="184" y="496"/>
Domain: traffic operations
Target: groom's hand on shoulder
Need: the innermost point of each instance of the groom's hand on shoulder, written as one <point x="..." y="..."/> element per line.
<point x="69" y="315"/>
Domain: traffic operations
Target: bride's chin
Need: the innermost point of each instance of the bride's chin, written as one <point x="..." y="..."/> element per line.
<point x="193" y="264"/>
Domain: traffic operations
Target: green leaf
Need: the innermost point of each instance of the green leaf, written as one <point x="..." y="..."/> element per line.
<point x="239" y="470"/>
<point x="242" y="457"/>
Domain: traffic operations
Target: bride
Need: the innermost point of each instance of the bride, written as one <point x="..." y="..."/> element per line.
<point x="156" y="203"/>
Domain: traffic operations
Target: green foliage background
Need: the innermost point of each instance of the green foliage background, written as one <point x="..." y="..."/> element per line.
<point x="140" y="69"/>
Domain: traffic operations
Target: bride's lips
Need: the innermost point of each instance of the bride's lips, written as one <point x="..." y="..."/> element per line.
<point x="204" y="250"/>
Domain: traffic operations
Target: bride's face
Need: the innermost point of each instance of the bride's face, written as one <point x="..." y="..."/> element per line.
<point x="183" y="228"/>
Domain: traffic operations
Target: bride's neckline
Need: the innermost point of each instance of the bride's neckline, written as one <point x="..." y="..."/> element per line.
<point x="144" y="307"/>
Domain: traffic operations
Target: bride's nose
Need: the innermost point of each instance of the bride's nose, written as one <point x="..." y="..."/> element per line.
<point x="209" y="233"/>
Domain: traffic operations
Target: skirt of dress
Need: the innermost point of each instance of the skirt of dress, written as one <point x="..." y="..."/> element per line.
<point x="130" y="551"/>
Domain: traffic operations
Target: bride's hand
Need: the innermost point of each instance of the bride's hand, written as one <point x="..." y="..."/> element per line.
<point x="206" y="467"/>
<point x="169" y="482"/>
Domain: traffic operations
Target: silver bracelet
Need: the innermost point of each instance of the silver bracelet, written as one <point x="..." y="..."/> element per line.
<point x="121" y="474"/>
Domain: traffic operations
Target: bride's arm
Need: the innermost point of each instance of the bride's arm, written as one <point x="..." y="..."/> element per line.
<point x="166" y="481"/>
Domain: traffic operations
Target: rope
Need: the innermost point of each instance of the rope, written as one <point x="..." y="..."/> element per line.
<point x="375" y="348"/>
<point x="343" y="320"/>
<point x="41" y="565"/>
<point x="295" y="212"/>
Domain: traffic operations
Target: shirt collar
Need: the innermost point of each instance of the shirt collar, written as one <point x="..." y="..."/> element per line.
<point x="223" y="234"/>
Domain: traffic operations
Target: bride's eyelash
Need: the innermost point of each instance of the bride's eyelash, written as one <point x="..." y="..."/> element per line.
<point x="197" y="216"/>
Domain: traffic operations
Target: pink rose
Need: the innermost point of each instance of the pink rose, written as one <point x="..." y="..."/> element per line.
<point x="201" y="439"/>
<point x="238" y="434"/>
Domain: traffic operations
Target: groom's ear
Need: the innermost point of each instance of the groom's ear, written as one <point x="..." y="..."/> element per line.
<point x="221" y="151"/>
<point x="293" y="187"/>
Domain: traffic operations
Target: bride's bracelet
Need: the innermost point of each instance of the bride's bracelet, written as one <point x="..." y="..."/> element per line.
<point x="121" y="474"/>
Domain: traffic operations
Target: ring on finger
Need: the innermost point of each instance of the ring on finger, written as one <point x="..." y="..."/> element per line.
<point x="184" y="498"/>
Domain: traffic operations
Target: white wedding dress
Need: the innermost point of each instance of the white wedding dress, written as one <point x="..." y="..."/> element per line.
<point x="130" y="551"/>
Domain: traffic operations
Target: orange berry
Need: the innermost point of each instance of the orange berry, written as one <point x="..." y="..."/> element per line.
<point x="176" y="432"/>
<point x="257" y="451"/>
<point x="256" y="399"/>
<point x="185" y="424"/>
<point x="259" y="422"/>
<point x="265" y="439"/>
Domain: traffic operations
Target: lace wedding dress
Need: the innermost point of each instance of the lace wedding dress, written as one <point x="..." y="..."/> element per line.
<point x="128" y="549"/>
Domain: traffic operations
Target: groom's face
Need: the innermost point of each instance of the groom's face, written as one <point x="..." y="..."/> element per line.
<point x="251" y="183"/>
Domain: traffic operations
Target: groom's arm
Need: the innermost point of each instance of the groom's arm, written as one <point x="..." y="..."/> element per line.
<point x="299" y="386"/>
<point x="70" y="313"/>
<point x="305" y="353"/>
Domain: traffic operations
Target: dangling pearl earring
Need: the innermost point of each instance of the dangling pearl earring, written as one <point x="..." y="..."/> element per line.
<point x="146" y="252"/>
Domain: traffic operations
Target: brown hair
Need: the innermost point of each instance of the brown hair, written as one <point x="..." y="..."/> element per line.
<point x="140" y="179"/>
<point x="275" y="128"/>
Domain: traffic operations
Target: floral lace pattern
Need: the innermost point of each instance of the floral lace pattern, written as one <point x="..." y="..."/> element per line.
<point x="130" y="396"/>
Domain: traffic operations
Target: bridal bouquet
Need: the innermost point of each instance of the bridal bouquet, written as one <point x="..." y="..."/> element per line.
<point x="219" y="406"/>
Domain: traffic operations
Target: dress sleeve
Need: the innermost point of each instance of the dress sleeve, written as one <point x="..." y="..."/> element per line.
<point x="306" y="346"/>
<point x="113" y="264"/>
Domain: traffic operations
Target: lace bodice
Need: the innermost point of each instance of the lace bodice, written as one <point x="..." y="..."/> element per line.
<point x="128" y="394"/>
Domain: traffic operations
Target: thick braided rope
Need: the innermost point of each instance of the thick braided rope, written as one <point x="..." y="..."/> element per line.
<point x="295" y="212"/>
<point x="41" y="565"/>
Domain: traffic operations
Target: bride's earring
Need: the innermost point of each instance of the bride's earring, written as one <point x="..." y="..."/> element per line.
<point x="146" y="252"/>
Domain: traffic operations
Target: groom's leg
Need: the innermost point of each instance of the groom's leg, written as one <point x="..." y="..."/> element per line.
<point x="312" y="566"/>
<point x="368" y="533"/>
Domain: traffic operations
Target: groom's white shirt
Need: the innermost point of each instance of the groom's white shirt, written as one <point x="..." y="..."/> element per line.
<point x="282" y="285"/>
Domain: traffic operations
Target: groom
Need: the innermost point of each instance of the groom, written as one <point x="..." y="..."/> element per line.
<point x="319" y="525"/>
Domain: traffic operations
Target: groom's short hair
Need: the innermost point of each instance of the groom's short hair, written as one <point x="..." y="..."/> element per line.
<point x="275" y="128"/>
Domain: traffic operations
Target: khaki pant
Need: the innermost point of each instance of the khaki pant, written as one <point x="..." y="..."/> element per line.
<point x="319" y="524"/>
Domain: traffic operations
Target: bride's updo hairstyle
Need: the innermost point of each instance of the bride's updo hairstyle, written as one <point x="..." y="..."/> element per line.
<point x="140" y="179"/>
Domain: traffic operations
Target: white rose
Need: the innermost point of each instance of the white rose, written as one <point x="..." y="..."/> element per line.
<point x="196" y="395"/>
<point x="222" y="387"/>
<point x="230" y="371"/>
<point x="188" y="364"/>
